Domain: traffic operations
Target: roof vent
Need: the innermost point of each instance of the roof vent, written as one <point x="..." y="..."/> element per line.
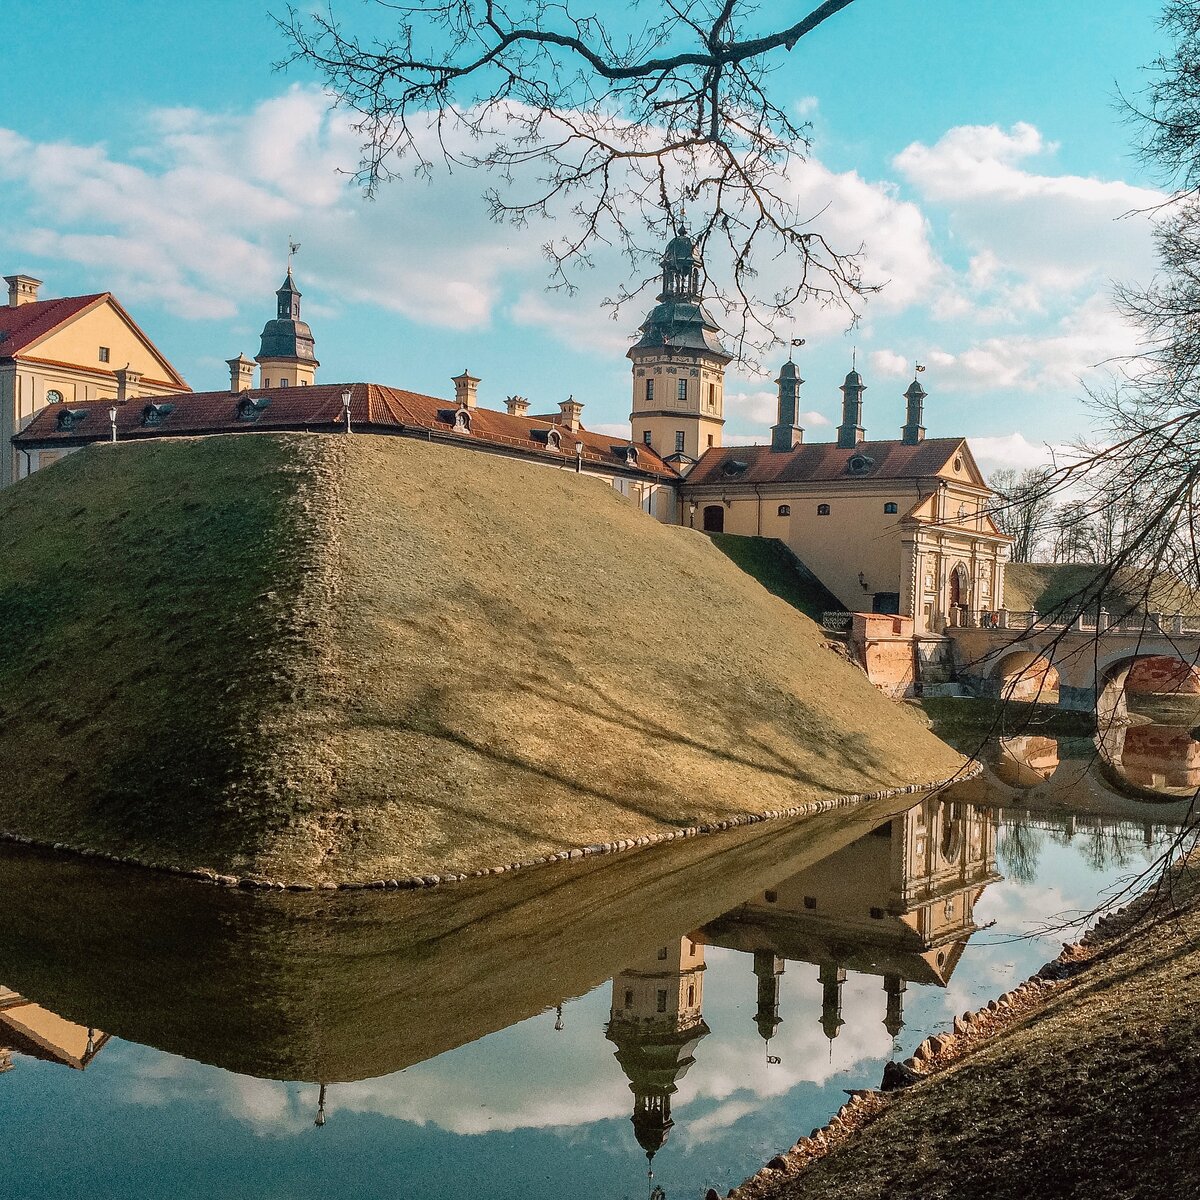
<point x="250" y="408"/>
<point x="68" y="418"/>
<point x="860" y="464"/>
<point x="153" y="414"/>
<point x="735" y="466"/>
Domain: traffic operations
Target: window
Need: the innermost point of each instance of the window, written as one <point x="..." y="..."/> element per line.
<point x="681" y="389"/>
<point x="628" y="997"/>
<point x="266" y="382"/>
<point x="662" y="953"/>
<point x="679" y="441"/>
<point x="710" y="441"/>
<point x="860" y="464"/>
<point x="691" y="995"/>
<point x="785" y="510"/>
<point x="284" y="382"/>
<point x="646" y="436"/>
<point x="649" y="389"/>
<point x="822" y="510"/>
<point x="712" y="395"/>
<point x="890" y="507"/>
<point x="810" y="902"/>
<point x="660" y="1001"/>
<point x="104" y="354"/>
<point x="54" y="396"/>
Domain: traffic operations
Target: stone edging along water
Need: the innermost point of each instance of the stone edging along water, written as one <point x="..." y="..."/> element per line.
<point x="258" y="883"/>
<point x="935" y="1054"/>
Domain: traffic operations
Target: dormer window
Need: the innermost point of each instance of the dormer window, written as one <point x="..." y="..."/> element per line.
<point x="860" y="464"/>
<point x="822" y="510"/>
<point x="553" y="440"/>
<point x="153" y="414"/>
<point x="250" y="408"/>
<point x="734" y="466"/>
<point x="68" y="418"/>
<point x="462" y="421"/>
<point x="54" y="396"/>
<point x="631" y="456"/>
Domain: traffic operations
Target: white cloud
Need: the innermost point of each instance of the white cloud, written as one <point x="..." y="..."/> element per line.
<point x="889" y="363"/>
<point x="1009" y="450"/>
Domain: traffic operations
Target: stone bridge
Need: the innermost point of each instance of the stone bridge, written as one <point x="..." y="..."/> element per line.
<point x="1017" y="654"/>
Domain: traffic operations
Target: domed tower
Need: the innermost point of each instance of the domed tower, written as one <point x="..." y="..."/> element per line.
<point x="768" y="967"/>
<point x="286" y="356"/>
<point x="679" y="365"/>
<point x="656" y="1024"/>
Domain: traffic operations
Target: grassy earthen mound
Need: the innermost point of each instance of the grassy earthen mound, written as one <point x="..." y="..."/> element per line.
<point x="319" y="658"/>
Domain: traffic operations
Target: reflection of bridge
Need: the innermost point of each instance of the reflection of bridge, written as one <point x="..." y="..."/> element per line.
<point x="1092" y="653"/>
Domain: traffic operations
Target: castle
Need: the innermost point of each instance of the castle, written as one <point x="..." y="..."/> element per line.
<point x="896" y="527"/>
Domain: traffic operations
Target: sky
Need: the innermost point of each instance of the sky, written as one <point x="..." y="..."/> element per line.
<point x="974" y="149"/>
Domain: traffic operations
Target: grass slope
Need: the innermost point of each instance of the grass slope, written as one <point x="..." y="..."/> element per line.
<point x="320" y="658"/>
<point x="780" y="572"/>
<point x="1049" y="587"/>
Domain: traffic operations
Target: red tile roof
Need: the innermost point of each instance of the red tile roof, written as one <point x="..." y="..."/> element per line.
<point x="27" y="323"/>
<point x="373" y="408"/>
<point x="821" y="462"/>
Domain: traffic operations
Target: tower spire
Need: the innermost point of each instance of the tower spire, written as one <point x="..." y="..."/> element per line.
<point x="850" y="431"/>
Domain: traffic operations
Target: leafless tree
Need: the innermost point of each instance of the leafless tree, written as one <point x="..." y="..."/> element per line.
<point x="611" y="126"/>
<point x="1023" y="508"/>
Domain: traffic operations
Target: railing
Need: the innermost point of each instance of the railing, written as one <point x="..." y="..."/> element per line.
<point x="838" y="622"/>
<point x="1131" y="623"/>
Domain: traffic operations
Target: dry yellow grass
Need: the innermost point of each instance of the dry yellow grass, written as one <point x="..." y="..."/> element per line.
<point x="389" y="658"/>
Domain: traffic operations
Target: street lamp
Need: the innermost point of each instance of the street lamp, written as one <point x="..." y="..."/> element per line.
<point x="346" y="407"/>
<point x="112" y="421"/>
<point x="692" y="515"/>
<point x="578" y="457"/>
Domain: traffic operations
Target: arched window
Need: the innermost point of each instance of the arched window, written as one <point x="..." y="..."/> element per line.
<point x="54" y="396"/>
<point x="822" y="510"/>
<point x="785" y="510"/>
<point x="890" y="507"/>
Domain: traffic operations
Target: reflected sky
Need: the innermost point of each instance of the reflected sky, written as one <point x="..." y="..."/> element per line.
<point x="532" y="1111"/>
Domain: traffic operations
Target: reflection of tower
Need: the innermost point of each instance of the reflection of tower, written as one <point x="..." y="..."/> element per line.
<point x="832" y="977"/>
<point x="768" y="967"/>
<point x="655" y="1024"/>
<point x="27" y="1028"/>
<point x="893" y="986"/>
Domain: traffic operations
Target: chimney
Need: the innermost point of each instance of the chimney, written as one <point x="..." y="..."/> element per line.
<point x="850" y="431"/>
<point x="22" y="289"/>
<point x="466" y="388"/>
<point x="127" y="382"/>
<point x="787" y="435"/>
<point x="913" y="431"/>
<point x="517" y="406"/>
<point x="570" y="410"/>
<point x="241" y="373"/>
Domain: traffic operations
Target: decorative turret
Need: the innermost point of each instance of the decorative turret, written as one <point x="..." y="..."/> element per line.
<point x="850" y="431"/>
<point x="286" y="355"/>
<point x="787" y="435"/>
<point x="679" y="364"/>
<point x="831" y="978"/>
<point x="914" y="431"/>
<point x="768" y="967"/>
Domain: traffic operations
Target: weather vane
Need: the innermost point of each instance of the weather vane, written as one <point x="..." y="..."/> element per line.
<point x="920" y="367"/>
<point x="795" y="342"/>
<point x="292" y="248"/>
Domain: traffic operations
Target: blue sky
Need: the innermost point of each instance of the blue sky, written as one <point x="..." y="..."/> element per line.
<point x="974" y="147"/>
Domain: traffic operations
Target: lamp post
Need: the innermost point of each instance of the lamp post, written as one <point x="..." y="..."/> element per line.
<point x="346" y="407"/>
<point x="578" y="457"/>
<point x="692" y="515"/>
<point x="112" y="421"/>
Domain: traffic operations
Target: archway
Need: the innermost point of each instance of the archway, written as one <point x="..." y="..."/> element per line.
<point x="714" y="518"/>
<point x="1162" y="675"/>
<point x="1157" y="675"/>
<point x="960" y="587"/>
<point x="1026" y="675"/>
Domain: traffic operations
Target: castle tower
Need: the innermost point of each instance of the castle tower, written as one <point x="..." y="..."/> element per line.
<point x="286" y="356"/>
<point x="656" y="1023"/>
<point x="850" y="432"/>
<point x="913" y="430"/>
<point x="679" y="365"/>
<point x="831" y="978"/>
<point x="787" y="435"/>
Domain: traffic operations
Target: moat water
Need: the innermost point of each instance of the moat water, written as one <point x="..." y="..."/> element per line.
<point x="536" y="1036"/>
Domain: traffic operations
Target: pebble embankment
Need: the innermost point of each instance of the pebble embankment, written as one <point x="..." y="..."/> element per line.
<point x="258" y="883"/>
<point x="901" y="1080"/>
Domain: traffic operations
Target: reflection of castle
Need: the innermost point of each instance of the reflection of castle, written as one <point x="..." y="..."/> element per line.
<point x="897" y="903"/>
<point x="29" y="1029"/>
<point x="1024" y="762"/>
<point x="655" y="1024"/>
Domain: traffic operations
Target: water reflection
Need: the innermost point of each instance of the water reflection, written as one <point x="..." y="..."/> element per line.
<point x="719" y="992"/>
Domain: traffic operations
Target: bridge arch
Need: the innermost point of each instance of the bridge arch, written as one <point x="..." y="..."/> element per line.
<point x="1112" y="670"/>
<point x="1025" y="671"/>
